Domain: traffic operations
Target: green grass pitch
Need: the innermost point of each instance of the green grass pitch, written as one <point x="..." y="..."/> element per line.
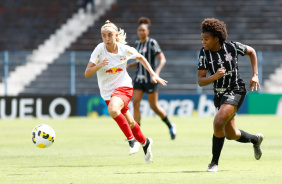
<point x="94" y="150"/>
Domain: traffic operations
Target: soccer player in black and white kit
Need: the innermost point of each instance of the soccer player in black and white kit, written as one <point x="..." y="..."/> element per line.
<point x="219" y="58"/>
<point x="143" y="83"/>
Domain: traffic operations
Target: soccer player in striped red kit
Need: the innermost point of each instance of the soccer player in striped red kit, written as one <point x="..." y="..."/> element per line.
<point x="220" y="58"/>
<point x="143" y="83"/>
<point x="109" y="61"/>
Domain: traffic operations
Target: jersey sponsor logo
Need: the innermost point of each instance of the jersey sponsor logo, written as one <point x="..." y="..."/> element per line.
<point x="228" y="57"/>
<point x="229" y="72"/>
<point x="220" y="62"/>
<point x="114" y="70"/>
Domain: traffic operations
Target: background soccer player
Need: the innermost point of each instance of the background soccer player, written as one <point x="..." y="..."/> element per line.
<point x="109" y="60"/>
<point x="219" y="58"/>
<point x="143" y="83"/>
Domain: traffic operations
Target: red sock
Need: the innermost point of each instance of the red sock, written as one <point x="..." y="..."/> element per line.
<point x="124" y="126"/>
<point x="138" y="134"/>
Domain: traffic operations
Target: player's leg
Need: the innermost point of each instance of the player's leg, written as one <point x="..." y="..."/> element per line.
<point x="232" y="133"/>
<point x="146" y="142"/>
<point x="153" y="100"/>
<point x="135" y="128"/>
<point x="134" y="144"/>
<point x="114" y="107"/>
<point x="137" y="97"/>
<point x="223" y="116"/>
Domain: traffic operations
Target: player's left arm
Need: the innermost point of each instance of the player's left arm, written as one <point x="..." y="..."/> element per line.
<point x="162" y="59"/>
<point x="145" y="63"/>
<point x="254" y="82"/>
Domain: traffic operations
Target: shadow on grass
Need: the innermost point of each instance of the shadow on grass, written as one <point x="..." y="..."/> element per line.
<point x="172" y="172"/>
<point x="71" y="166"/>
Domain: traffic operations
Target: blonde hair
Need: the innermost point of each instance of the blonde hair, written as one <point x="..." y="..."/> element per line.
<point x="121" y="34"/>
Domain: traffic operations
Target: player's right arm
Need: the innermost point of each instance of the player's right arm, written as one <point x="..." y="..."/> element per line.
<point x="92" y="68"/>
<point x="203" y="80"/>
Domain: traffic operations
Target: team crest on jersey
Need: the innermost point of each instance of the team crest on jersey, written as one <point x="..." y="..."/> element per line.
<point x="130" y="53"/>
<point x="122" y="58"/>
<point x="114" y="70"/>
<point x="228" y="57"/>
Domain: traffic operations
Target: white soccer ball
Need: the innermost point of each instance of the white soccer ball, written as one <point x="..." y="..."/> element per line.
<point x="43" y="136"/>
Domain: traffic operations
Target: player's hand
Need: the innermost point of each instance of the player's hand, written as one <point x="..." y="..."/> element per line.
<point x="157" y="79"/>
<point x="103" y="63"/>
<point x="157" y="74"/>
<point x="220" y="73"/>
<point x="254" y="83"/>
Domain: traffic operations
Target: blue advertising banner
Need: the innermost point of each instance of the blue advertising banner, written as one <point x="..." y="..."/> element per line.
<point x="91" y="105"/>
<point x="174" y="105"/>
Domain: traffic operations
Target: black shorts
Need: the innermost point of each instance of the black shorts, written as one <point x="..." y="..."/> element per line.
<point x="234" y="97"/>
<point x="146" y="87"/>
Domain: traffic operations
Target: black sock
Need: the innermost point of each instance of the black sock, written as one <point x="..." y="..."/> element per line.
<point x="246" y="137"/>
<point x="146" y="146"/>
<point x="166" y="121"/>
<point x="217" y="144"/>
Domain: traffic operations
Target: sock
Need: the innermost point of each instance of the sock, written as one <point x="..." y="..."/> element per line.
<point x="167" y="122"/>
<point x="145" y="146"/>
<point x="217" y="144"/>
<point x="246" y="137"/>
<point x="124" y="126"/>
<point x="131" y="142"/>
<point x="138" y="134"/>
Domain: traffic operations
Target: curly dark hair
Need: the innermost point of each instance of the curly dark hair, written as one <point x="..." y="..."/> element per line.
<point x="144" y="20"/>
<point x="216" y="27"/>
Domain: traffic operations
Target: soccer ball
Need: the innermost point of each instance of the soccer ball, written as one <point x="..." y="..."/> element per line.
<point x="43" y="136"/>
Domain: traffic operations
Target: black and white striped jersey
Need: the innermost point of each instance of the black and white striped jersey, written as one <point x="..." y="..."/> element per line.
<point x="149" y="50"/>
<point x="226" y="57"/>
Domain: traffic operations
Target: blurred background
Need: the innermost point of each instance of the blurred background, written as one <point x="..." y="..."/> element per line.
<point x="45" y="47"/>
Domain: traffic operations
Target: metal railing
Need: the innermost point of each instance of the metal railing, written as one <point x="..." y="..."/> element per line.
<point x="73" y="59"/>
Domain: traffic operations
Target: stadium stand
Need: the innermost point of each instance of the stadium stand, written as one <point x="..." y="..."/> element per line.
<point x="175" y="24"/>
<point x="27" y="23"/>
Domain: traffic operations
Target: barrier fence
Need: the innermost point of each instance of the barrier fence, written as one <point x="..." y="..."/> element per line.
<point x="56" y="107"/>
<point x="9" y="61"/>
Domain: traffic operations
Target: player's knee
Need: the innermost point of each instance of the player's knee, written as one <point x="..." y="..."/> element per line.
<point x="154" y="107"/>
<point x="114" y="112"/>
<point x="218" y="125"/>
<point x="131" y="124"/>
<point x="136" y="104"/>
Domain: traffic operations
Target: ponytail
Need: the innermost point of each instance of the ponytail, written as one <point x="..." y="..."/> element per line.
<point x="121" y="37"/>
<point x="121" y="34"/>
